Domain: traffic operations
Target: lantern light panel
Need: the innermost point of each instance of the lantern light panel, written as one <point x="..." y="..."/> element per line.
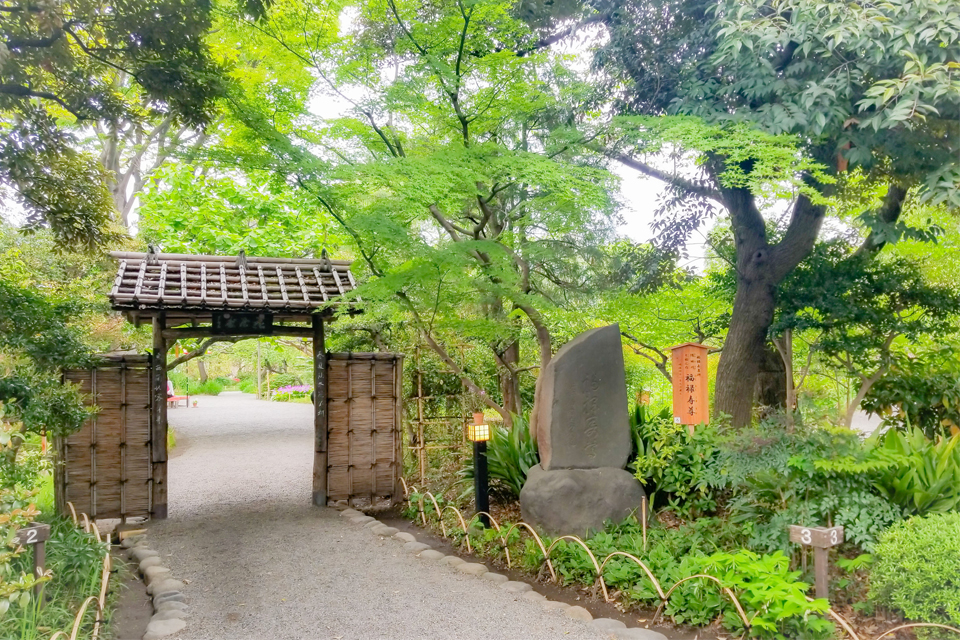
<point x="478" y="432"/>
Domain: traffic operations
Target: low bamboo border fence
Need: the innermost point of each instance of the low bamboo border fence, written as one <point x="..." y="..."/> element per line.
<point x="600" y="565"/>
<point x="90" y="527"/>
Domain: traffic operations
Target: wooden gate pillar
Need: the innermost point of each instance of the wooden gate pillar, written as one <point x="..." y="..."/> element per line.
<point x="319" y="413"/>
<point x="158" y="435"/>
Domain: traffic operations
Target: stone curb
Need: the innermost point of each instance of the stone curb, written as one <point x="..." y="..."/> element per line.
<point x="167" y="599"/>
<point x="614" y="628"/>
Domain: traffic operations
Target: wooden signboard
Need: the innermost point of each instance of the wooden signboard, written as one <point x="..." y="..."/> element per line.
<point x="36" y="536"/>
<point x="239" y="323"/>
<point x="821" y="539"/>
<point x="691" y="402"/>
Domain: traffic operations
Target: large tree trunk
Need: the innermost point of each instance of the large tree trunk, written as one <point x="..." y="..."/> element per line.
<point x="202" y="368"/>
<point x="760" y="268"/>
<point x="743" y="350"/>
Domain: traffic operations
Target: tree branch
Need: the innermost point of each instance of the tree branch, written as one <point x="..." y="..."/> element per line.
<point x="38" y="43"/>
<point x="554" y="38"/>
<point x="888" y="213"/>
<point x="669" y="178"/>
<point x="200" y="351"/>
<point x="27" y="92"/>
<point x="805" y="223"/>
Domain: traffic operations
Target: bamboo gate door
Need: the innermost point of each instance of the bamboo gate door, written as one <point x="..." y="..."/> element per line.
<point x="106" y="469"/>
<point x="112" y="467"/>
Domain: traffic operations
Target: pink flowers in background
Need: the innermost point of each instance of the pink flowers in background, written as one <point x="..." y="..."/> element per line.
<point x="295" y="388"/>
<point x="291" y="391"/>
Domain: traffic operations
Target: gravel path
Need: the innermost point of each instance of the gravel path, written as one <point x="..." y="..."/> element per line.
<point x="263" y="564"/>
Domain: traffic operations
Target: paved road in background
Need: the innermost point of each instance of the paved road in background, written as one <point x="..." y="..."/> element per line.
<point x="263" y="564"/>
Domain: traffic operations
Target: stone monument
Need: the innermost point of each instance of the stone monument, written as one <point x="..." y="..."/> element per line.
<point x="583" y="433"/>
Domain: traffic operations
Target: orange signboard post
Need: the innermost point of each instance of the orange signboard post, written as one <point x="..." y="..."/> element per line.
<point x="691" y="401"/>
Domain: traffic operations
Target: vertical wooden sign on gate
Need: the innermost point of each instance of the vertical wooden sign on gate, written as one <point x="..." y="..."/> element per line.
<point x="691" y="401"/>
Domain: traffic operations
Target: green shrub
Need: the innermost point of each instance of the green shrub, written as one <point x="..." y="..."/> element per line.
<point x="211" y="387"/>
<point x="510" y="454"/>
<point x="248" y="385"/>
<point x="921" y="475"/>
<point x="672" y="464"/>
<point x="916" y="569"/>
<point x="278" y="380"/>
<point x="812" y="476"/>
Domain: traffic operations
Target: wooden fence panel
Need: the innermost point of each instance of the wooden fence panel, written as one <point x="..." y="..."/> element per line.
<point x="364" y="403"/>
<point x="104" y="469"/>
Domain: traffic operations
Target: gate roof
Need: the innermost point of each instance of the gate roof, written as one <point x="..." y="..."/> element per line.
<point x="192" y="287"/>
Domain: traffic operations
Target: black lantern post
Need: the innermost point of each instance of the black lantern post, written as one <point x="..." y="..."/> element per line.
<point x="479" y="433"/>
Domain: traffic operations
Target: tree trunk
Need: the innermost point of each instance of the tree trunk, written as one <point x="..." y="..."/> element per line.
<point x="743" y="350"/>
<point x="771" y="390"/>
<point x="510" y="381"/>
<point x="760" y="268"/>
<point x="865" y="385"/>
<point x="203" y="371"/>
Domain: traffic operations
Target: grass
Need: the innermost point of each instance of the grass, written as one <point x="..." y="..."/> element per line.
<point x="171" y="438"/>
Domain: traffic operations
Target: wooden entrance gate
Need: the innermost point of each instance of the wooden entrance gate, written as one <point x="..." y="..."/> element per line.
<point x="106" y="469"/>
<point x="364" y="409"/>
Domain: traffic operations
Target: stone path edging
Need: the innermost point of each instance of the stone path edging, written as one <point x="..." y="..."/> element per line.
<point x="616" y="628"/>
<point x="170" y="609"/>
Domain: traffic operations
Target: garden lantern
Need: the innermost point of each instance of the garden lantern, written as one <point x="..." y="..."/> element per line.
<point x="479" y="433"/>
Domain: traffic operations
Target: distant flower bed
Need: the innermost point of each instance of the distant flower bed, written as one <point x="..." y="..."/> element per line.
<point x="290" y="392"/>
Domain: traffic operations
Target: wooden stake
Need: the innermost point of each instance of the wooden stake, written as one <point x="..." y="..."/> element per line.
<point x="320" y="414"/>
<point x="158" y="437"/>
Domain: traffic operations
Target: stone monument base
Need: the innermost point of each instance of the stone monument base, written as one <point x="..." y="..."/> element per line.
<point x="578" y="501"/>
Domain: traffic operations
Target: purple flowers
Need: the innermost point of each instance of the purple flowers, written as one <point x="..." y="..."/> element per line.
<point x="296" y="388"/>
<point x="291" y="391"/>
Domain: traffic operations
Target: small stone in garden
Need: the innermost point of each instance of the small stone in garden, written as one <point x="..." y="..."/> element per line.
<point x="515" y="587"/>
<point x="430" y="554"/>
<point x="450" y="561"/>
<point x="160" y="586"/>
<point x="578" y="613"/>
<point x="129" y="543"/>
<point x="607" y="624"/>
<point x="498" y="578"/>
<point x="362" y="519"/>
<point x="143" y="553"/>
<point x="349" y="513"/>
<point x="533" y="596"/>
<point x="384" y="531"/>
<point x="472" y="568"/>
<point x="415" y="547"/>
<point x="553" y="605"/>
<point x="403" y="536"/>
<point x="152" y="561"/>
<point x="167" y="596"/>
<point x="373" y="523"/>
<point x="171" y="604"/>
<point x="151" y="573"/>
<point x="160" y="628"/>
<point x="170" y="614"/>
<point x="637" y="634"/>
